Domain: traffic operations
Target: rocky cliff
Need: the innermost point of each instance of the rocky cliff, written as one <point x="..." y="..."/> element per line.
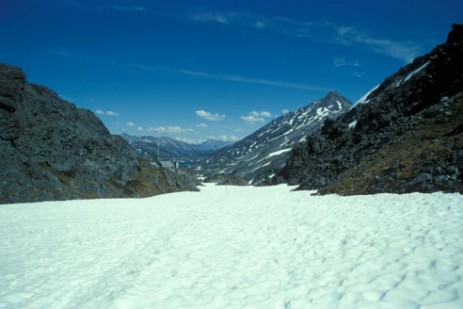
<point x="406" y="136"/>
<point x="51" y="150"/>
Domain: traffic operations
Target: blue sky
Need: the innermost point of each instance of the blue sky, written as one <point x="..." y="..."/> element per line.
<point x="193" y="70"/>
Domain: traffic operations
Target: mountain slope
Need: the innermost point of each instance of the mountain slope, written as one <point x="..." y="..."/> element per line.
<point x="51" y="150"/>
<point x="405" y="136"/>
<point x="256" y="156"/>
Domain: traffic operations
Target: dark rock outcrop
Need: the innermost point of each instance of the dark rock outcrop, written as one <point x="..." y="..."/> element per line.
<point x="406" y="137"/>
<point x="51" y="150"/>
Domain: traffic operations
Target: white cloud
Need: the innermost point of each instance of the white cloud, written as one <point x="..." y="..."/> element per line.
<point x="169" y="129"/>
<point x="259" y="81"/>
<point x="130" y="124"/>
<point x="342" y="62"/>
<point x="140" y="129"/>
<point x="256" y="117"/>
<point x="209" y="116"/>
<point x="201" y="125"/>
<point x="225" y="138"/>
<point x="107" y="113"/>
<point x="211" y="17"/>
<point x="284" y="111"/>
<point x="111" y="113"/>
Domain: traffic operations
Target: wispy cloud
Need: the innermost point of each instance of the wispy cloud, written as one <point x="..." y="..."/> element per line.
<point x="325" y="31"/>
<point x="211" y="17"/>
<point x="201" y="125"/>
<point x="107" y="113"/>
<point x="130" y="124"/>
<point x="405" y="51"/>
<point x="342" y="62"/>
<point x="209" y="116"/>
<point x="284" y="111"/>
<point x="256" y="117"/>
<point x="260" y="81"/>
<point x="169" y="129"/>
<point x="190" y="140"/>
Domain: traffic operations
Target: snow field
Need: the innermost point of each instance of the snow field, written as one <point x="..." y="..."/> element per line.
<point x="234" y="247"/>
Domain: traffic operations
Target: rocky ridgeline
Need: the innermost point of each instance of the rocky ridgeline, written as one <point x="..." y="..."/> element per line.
<point x="407" y="136"/>
<point x="51" y="150"/>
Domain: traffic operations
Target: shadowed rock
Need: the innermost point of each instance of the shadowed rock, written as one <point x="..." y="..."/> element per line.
<point x="51" y="150"/>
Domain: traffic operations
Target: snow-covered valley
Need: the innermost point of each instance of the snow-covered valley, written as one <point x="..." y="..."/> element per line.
<point x="234" y="247"/>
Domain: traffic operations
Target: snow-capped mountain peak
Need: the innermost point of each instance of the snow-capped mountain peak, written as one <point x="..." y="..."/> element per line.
<point x="254" y="157"/>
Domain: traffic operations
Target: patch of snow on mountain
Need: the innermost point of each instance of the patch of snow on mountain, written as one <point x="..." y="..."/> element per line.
<point x="279" y="152"/>
<point x="409" y="76"/>
<point x="353" y="124"/>
<point x="339" y="104"/>
<point x="322" y="111"/>
<point x="363" y="99"/>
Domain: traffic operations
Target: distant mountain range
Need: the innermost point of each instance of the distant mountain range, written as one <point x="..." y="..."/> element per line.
<point x="171" y="149"/>
<point x="255" y="157"/>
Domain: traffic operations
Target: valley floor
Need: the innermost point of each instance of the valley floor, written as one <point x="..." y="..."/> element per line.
<point x="235" y="247"/>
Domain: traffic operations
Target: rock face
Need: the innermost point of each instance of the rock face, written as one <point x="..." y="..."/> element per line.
<point x="406" y="136"/>
<point x="255" y="157"/>
<point x="51" y="150"/>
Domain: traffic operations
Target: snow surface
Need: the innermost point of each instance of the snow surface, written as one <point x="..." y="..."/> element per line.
<point x="234" y="247"/>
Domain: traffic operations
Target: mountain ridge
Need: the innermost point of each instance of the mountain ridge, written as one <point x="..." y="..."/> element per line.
<point x="406" y="135"/>
<point x="171" y="149"/>
<point x="52" y="150"/>
<point x="255" y="157"/>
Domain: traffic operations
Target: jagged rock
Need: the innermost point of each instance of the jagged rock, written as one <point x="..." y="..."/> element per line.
<point x="50" y="149"/>
<point x="423" y="177"/>
<point x="406" y="136"/>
